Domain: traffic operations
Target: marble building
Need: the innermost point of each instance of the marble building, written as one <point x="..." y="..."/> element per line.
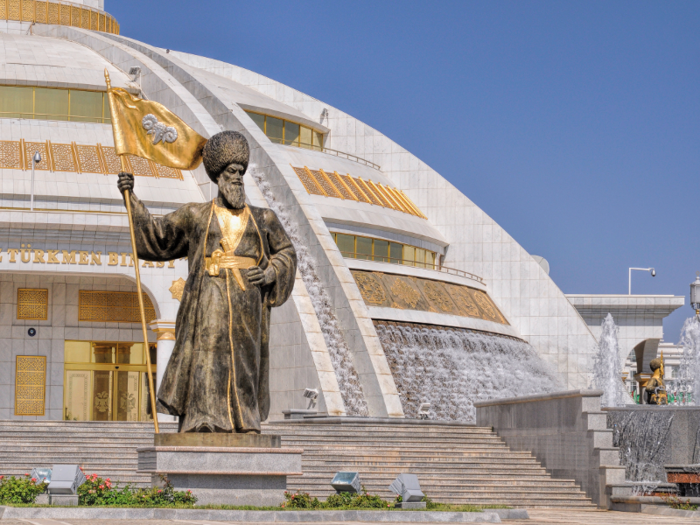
<point x="382" y="237"/>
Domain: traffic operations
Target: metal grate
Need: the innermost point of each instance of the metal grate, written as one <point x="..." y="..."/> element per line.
<point x="112" y="307"/>
<point x="30" y="385"/>
<point x="33" y="304"/>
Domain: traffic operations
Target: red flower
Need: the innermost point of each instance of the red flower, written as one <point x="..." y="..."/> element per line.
<point x="159" y="491"/>
<point x="27" y="475"/>
<point x="33" y="480"/>
<point x="108" y="479"/>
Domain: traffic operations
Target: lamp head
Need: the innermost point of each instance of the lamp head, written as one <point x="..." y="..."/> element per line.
<point x="37" y="158"/>
<point x="653" y="272"/>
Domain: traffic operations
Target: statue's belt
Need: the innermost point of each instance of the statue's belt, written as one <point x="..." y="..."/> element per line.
<point x="221" y="261"/>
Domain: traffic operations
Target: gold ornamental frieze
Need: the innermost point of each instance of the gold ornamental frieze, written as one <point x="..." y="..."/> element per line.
<point x="37" y="257"/>
<point x="413" y="293"/>
<point x="60" y="13"/>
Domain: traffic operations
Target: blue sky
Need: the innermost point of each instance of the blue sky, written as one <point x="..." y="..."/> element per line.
<point x="573" y="124"/>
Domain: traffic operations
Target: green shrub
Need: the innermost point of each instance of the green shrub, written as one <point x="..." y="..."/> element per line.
<point x="98" y="491"/>
<point x="677" y="503"/>
<point x="20" y="490"/>
<point x="300" y="500"/>
<point x="338" y="500"/>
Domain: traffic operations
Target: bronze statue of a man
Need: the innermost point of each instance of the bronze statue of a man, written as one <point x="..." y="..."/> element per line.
<point x="241" y="264"/>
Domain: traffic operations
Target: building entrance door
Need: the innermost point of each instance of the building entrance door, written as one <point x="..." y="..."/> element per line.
<point x="106" y="381"/>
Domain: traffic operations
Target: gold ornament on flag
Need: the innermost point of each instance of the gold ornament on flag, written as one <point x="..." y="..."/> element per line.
<point x="151" y="131"/>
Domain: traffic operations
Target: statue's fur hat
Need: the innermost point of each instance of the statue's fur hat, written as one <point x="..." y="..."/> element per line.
<point x="223" y="149"/>
<point x="655" y="364"/>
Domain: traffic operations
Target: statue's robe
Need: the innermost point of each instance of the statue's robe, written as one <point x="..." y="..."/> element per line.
<point x="217" y="379"/>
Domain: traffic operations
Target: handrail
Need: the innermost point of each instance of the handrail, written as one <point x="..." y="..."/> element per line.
<point x="352" y="157"/>
<point x="415" y="264"/>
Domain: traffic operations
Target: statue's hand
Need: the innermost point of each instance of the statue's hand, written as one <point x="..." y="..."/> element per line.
<point x="257" y="276"/>
<point x="126" y="182"/>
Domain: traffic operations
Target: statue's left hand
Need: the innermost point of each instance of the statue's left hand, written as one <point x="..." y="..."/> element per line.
<point x="262" y="277"/>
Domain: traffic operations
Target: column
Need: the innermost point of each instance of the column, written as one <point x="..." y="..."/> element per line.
<point x="165" y="343"/>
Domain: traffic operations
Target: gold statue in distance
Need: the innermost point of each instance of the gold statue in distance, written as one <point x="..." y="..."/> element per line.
<point x="655" y="389"/>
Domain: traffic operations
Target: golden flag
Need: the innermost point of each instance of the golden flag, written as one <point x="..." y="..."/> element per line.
<point x="149" y="130"/>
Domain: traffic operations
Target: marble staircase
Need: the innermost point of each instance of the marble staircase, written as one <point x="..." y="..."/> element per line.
<point x="455" y="463"/>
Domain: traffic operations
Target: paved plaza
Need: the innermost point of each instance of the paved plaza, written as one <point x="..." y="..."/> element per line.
<point x="537" y="517"/>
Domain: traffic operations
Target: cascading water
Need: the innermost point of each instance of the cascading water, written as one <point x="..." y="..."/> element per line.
<point x="685" y="389"/>
<point x="607" y="369"/>
<point x="452" y="368"/>
<point x="348" y="379"/>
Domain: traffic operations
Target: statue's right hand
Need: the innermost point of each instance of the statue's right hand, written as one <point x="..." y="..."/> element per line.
<point x="126" y="182"/>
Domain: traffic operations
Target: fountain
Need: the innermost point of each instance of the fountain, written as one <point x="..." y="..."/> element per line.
<point x="451" y="368"/>
<point x="655" y="438"/>
<point x="607" y="370"/>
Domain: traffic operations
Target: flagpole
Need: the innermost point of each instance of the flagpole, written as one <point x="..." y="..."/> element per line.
<point x="142" y="310"/>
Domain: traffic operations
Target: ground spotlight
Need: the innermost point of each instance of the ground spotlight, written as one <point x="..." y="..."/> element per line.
<point x="63" y="488"/>
<point x="346" y="482"/>
<point x="41" y="474"/>
<point x="311" y="394"/>
<point x="424" y="410"/>
<point x="408" y="487"/>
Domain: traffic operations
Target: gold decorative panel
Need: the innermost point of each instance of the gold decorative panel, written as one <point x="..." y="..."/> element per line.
<point x="27" y="10"/>
<point x="41" y="14"/>
<point x="13" y="9"/>
<point x="332" y="184"/>
<point x="63" y="157"/>
<point x="112" y="307"/>
<point x="75" y="16"/>
<point x="89" y="159"/>
<point x="112" y="162"/>
<point x="30" y="148"/>
<point x="10" y="153"/>
<point x="308" y="182"/>
<point x="65" y="15"/>
<point x="30" y="385"/>
<point x="32" y="304"/>
<point x="3" y="10"/>
<point x="140" y="166"/>
<point x="413" y="293"/>
<point x="178" y="288"/>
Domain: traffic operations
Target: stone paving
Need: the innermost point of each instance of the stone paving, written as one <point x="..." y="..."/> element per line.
<point x="537" y="517"/>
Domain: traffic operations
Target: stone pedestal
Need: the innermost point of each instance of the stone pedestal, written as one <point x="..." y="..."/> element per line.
<point x="223" y="469"/>
<point x="63" y="500"/>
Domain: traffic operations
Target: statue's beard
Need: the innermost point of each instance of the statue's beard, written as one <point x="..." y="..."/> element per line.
<point x="234" y="195"/>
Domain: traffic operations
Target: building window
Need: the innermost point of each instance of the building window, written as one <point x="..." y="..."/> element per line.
<point x="282" y="131"/>
<point x="32" y="304"/>
<point x="73" y="105"/>
<point x="30" y="385"/>
<point x="113" y="307"/>
<point x="371" y="249"/>
<point x="106" y="381"/>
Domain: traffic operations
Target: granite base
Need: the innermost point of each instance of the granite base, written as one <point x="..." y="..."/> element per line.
<point x="63" y="500"/>
<point x="223" y="469"/>
<point x="411" y="505"/>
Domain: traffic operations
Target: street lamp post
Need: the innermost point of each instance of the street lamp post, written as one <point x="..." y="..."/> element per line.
<point x="36" y="159"/>
<point x="695" y="295"/>
<point x="650" y="270"/>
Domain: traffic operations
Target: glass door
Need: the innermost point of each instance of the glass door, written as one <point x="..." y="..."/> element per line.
<point x="106" y="381"/>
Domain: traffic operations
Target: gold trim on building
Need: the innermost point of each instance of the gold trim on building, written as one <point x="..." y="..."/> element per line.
<point x="30" y="385"/>
<point x="59" y="13"/>
<point x="33" y="303"/>
<point x="78" y="158"/>
<point x="332" y="184"/>
<point x="405" y="292"/>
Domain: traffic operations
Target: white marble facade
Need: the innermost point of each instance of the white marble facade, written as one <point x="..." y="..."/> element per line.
<point x="85" y="212"/>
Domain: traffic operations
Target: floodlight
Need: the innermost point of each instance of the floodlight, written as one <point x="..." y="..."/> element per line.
<point x="346" y="482"/>
<point x="424" y="410"/>
<point x="65" y="479"/>
<point x="311" y="394"/>
<point x="135" y="71"/>
<point x="408" y="487"/>
<point x="41" y="474"/>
